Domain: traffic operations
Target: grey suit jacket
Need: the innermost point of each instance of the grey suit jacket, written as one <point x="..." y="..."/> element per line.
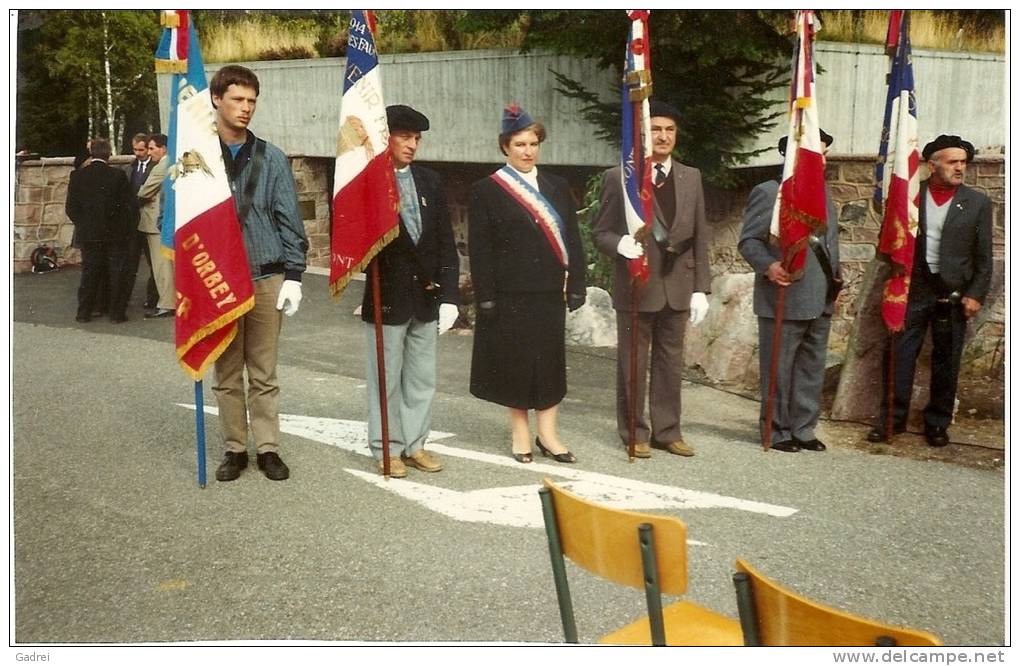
<point x="965" y="251"/>
<point x="805" y="298"/>
<point x="691" y="271"/>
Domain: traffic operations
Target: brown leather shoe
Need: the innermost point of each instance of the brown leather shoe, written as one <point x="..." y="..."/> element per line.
<point x="641" y="450"/>
<point x="678" y="448"/>
<point x="423" y="460"/>
<point x="397" y="469"/>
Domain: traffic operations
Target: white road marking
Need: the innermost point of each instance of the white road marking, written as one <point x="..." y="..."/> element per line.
<point x="511" y="506"/>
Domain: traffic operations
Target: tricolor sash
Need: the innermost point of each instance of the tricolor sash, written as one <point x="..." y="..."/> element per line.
<point x="538" y="207"/>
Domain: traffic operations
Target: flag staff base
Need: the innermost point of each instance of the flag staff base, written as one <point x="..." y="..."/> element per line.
<point x="200" y="433"/>
<point x="777" y="348"/>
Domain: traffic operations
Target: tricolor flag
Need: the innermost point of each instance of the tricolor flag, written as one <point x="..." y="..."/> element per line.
<point x="636" y="144"/>
<point x="800" y="207"/>
<point x="898" y="156"/>
<point x="365" y="199"/>
<point x="200" y="225"/>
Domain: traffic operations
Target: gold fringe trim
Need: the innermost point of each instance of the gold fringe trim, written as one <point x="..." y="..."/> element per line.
<point x="803" y="102"/>
<point x="337" y="288"/>
<point x="169" y="20"/>
<point x="203" y="332"/>
<point x="171" y="66"/>
<point x="167" y="252"/>
<point x="198" y="374"/>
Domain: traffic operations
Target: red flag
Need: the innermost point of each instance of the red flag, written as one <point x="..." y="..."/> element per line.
<point x="897" y="174"/>
<point x="365" y="199"/>
<point x="211" y="274"/>
<point x="800" y="209"/>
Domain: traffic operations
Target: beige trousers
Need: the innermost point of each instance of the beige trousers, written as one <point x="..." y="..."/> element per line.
<point x="255" y="347"/>
<point x="162" y="272"/>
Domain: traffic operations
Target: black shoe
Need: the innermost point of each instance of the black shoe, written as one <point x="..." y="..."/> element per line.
<point x="118" y="318"/>
<point x="809" y="445"/>
<point x="159" y="314"/>
<point x="233" y="463"/>
<point x="789" y="446"/>
<point x="83" y="319"/>
<point x="936" y="436"/>
<point x="565" y="457"/>
<point x="522" y="457"/>
<point x="272" y="466"/>
<point x="877" y="434"/>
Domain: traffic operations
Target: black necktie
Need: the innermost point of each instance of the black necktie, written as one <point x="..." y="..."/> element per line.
<point x="660" y="174"/>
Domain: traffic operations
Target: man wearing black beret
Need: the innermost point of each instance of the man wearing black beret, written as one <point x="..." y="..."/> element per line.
<point x="807" y="315"/>
<point x="950" y="279"/>
<point x="675" y="293"/>
<point x="418" y="285"/>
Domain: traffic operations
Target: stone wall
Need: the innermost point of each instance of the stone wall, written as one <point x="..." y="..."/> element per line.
<point x="723" y="347"/>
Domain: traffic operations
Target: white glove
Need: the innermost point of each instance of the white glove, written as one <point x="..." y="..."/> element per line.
<point x="699" y="307"/>
<point x="448" y="313"/>
<point x="629" y="247"/>
<point x="289" y="298"/>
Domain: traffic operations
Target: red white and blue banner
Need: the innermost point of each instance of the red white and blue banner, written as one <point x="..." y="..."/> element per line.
<point x="538" y="207"/>
<point x="200" y="225"/>
<point x="800" y="209"/>
<point x="365" y="198"/>
<point x="636" y="138"/>
<point x="898" y="158"/>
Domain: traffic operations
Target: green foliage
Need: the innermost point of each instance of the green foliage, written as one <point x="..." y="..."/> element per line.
<point x="600" y="267"/>
<point x="716" y="67"/>
<point x="61" y="76"/>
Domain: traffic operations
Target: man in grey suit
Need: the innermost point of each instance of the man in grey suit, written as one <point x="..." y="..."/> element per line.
<point x="950" y="279"/>
<point x="806" y="317"/>
<point x="679" y="279"/>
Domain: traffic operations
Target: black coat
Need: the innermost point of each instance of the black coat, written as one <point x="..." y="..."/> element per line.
<point x="518" y="358"/>
<point x="101" y="204"/>
<point x="405" y="268"/>
<point x="509" y="253"/>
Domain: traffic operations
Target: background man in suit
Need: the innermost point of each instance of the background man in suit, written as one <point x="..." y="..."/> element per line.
<point x="418" y="278"/>
<point x="950" y="279"/>
<point x="680" y="278"/>
<point x="102" y="207"/>
<point x="149" y="196"/>
<point x="807" y="316"/>
<point x="138" y="173"/>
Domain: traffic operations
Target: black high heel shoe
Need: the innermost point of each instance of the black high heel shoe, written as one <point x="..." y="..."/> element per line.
<point x="565" y="457"/>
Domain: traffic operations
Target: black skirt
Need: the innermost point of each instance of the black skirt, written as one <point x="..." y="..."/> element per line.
<point x="519" y="358"/>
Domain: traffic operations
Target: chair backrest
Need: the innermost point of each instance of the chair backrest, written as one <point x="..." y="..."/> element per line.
<point x="779" y="616"/>
<point x="605" y="541"/>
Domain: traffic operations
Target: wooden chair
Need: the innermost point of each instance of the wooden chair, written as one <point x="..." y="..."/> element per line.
<point x="773" y="615"/>
<point x="637" y="550"/>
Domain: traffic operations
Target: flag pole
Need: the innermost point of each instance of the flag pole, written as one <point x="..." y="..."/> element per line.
<point x="380" y="359"/>
<point x="889" y="387"/>
<point x="200" y="432"/>
<point x="777" y="348"/>
<point x="632" y="395"/>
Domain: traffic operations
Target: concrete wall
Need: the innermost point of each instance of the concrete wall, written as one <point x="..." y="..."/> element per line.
<point x="463" y="93"/>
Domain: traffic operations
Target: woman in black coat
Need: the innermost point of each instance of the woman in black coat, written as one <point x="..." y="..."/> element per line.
<point x="527" y="266"/>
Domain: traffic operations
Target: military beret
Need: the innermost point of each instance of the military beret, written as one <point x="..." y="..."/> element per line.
<point x="401" y="117"/>
<point x="822" y="134"/>
<point x="947" y="141"/>
<point x="658" y="108"/>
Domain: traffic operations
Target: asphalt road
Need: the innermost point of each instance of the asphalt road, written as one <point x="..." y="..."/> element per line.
<point x="114" y="542"/>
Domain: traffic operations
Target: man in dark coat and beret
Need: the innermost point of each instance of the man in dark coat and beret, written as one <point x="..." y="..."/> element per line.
<point x="949" y="282"/>
<point x="419" y="292"/>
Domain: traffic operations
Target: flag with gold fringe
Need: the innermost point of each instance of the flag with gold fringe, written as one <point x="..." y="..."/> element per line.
<point x="898" y="158"/>
<point x="365" y="198"/>
<point x="636" y="138"/>
<point x="800" y="209"/>
<point x="200" y="225"/>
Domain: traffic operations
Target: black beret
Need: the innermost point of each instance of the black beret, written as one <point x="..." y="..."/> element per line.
<point x="948" y="141"/>
<point x="657" y="108"/>
<point x="401" y="117"/>
<point x="822" y="134"/>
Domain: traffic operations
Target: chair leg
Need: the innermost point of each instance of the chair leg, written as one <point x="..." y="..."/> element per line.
<point x="558" y="567"/>
<point x="653" y="594"/>
<point x="746" y="609"/>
